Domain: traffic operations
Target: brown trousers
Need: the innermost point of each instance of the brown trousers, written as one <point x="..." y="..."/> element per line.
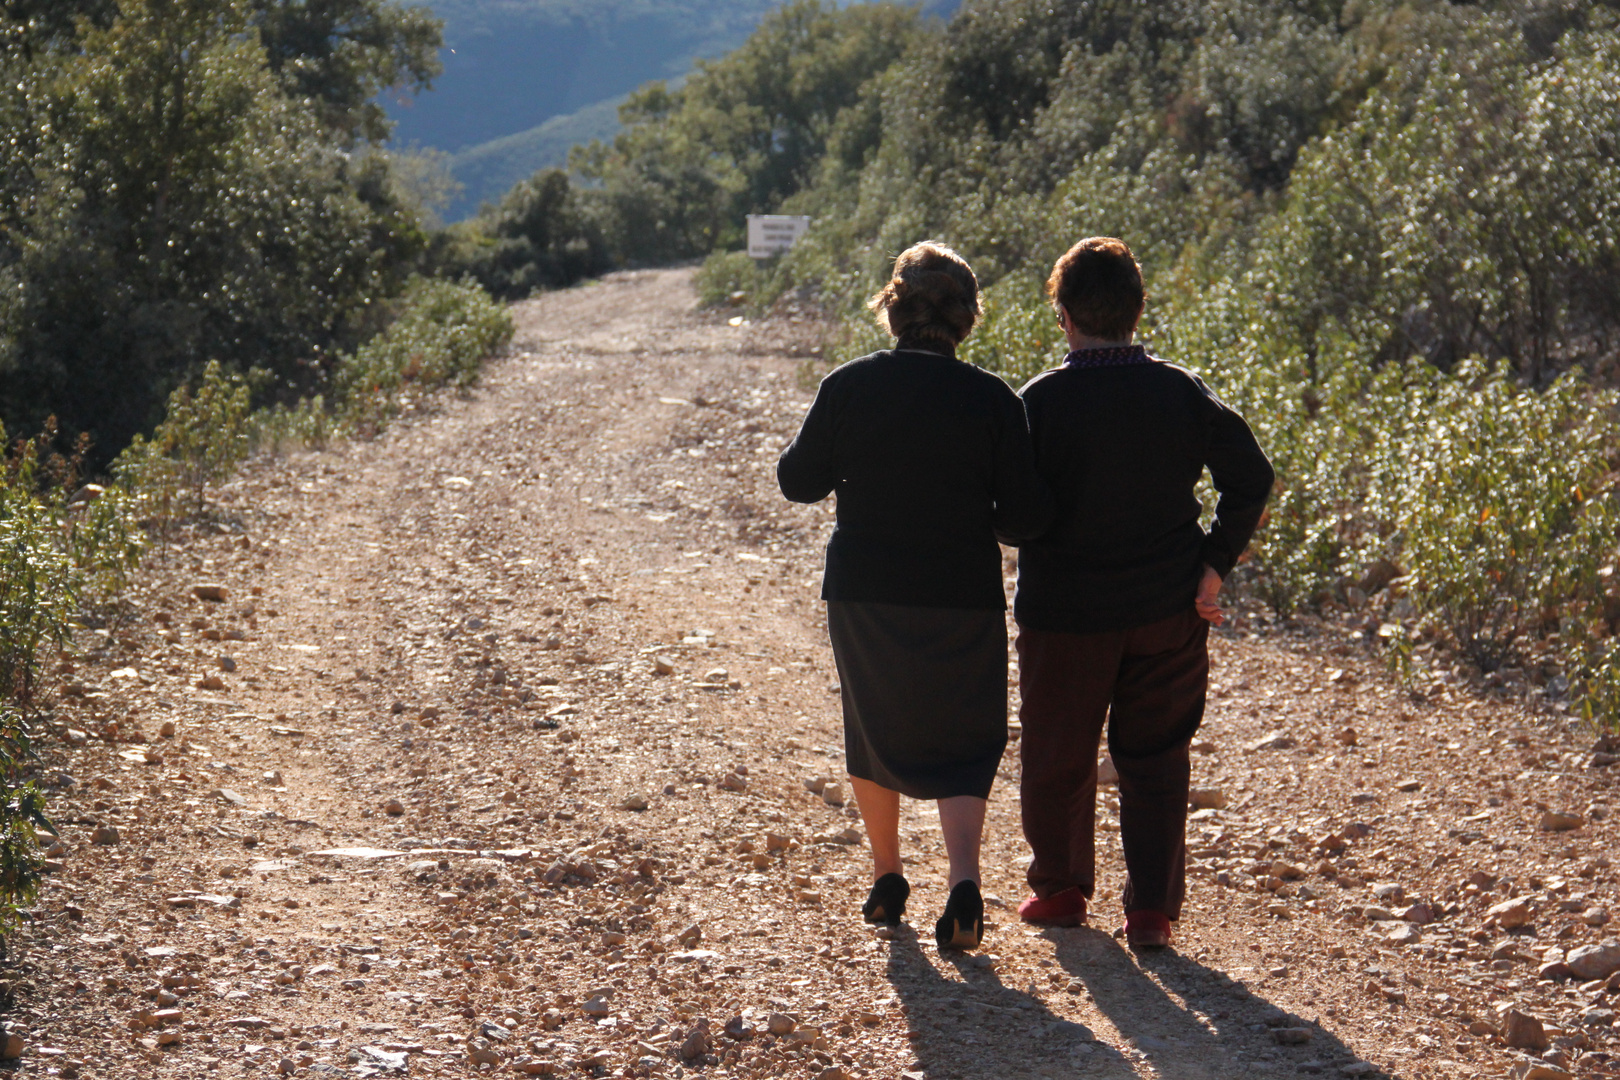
<point x="1149" y="684"/>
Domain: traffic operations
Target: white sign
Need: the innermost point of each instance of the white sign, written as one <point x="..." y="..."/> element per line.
<point x="772" y="234"/>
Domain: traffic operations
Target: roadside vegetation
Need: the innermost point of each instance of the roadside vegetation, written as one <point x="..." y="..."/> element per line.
<point x="204" y="251"/>
<point x="1387" y="230"/>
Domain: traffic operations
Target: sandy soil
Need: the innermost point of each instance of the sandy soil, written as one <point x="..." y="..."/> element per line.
<point x="429" y="806"/>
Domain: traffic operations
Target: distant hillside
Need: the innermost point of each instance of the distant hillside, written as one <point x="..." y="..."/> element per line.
<point x="525" y="79"/>
<point x="488" y="170"/>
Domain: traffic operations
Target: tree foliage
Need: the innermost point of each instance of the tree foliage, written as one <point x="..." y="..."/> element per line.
<point x="748" y="133"/>
<point x="1389" y="230"/>
<point x="174" y="194"/>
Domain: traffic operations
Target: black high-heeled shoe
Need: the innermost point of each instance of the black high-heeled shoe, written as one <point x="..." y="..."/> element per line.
<point x="886" y="903"/>
<point x="962" y="925"/>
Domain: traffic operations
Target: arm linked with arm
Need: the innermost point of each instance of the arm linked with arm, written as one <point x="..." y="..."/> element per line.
<point x="1243" y="478"/>
<point x="806" y="472"/>
<point x="1024" y="504"/>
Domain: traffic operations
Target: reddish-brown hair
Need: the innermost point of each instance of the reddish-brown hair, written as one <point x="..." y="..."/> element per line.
<point x="1099" y="283"/>
<point x="933" y="295"/>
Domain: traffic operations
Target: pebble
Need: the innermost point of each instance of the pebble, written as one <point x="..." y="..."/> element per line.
<point x="1506" y="950"/>
<point x="1292" y="1036"/>
<point x="393" y="808"/>
<point x="1554" y="821"/>
<point x="1275" y="741"/>
<point x="168" y="729"/>
<point x="633" y="802"/>
<point x="595" y="1008"/>
<point x="210" y="591"/>
<point x="780" y="1024"/>
<point x="1538" y="1070"/>
<point x="1107" y="774"/>
<point x="663" y="665"/>
<point x="104" y="836"/>
<point x="1420" y="914"/>
<point x="1595" y="961"/>
<point x="1510" y="914"/>
<point x="1555" y="970"/>
<point x="1405" y="934"/>
<point x="833" y="794"/>
<point x="697" y="1042"/>
<point x="1410" y="783"/>
<point x="1523" y="1031"/>
<point x="15" y="1045"/>
<point x="1207" y="799"/>
<point x="1390" y="892"/>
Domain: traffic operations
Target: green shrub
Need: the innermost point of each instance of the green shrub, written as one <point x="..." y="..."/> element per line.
<point x="177" y="184"/>
<point x="1498" y="513"/>
<point x="731" y="277"/>
<point x="201" y="441"/>
<point x="443" y="332"/>
<point x="540" y="236"/>
<point x="1018" y="337"/>
<point x="58" y="549"/>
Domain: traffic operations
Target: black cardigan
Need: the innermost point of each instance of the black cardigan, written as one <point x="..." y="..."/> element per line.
<point x="931" y="460"/>
<point x="1123" y="448"/>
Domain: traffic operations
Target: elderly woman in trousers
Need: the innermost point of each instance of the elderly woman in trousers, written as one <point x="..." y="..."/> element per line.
<point x="931" y="461"/>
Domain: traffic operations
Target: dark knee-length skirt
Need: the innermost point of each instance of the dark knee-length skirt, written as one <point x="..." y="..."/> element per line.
<point x="925" y="696"/>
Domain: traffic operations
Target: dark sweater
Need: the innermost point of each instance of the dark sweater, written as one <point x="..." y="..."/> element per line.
<point x="1122" y="446"/>
<point x="931" y="460"/>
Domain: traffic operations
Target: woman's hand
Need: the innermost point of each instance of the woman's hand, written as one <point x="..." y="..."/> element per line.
<point x="1208" y="601"/>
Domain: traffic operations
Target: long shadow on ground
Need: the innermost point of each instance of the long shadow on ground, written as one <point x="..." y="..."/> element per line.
<point x="980" y="1029"/>
<point x="1190" y="1021"/>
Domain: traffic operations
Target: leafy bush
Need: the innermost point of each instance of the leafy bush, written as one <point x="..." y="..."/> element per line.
<point x="201" y="441"/>
<point x="67" y="547"/>
<point x="745" y="133"/>
<point x="541" y="236"/>
<point x="62" y="548"/>
<point x="179" y="185"/>
<point x="728" y="277"/>
<point x="444" y="330"/>
<point x="1388" y="233"/>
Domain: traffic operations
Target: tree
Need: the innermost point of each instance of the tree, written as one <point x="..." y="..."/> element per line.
<point x="539" y="237"/>
<point x="178" y="206"/>
<point x="745" y="133"/>
<point x="341" y="54"/>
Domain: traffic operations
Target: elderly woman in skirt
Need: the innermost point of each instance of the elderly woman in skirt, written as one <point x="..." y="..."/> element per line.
<point x="931" y="461"/>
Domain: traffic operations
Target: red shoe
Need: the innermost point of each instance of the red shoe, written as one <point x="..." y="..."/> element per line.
<point x="1067" y="908"/>
<point x="1147" y="929"/>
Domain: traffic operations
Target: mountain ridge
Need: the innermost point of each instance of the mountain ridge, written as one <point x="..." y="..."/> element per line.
<point x="521" y="76"/>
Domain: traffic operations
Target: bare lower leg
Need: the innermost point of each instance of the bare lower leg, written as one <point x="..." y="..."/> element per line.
<point x="880" y="811"/>
<point x="961" y="819"/>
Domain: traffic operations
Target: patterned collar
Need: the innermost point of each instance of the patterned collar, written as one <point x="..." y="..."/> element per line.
<point x="1109" y="356"/>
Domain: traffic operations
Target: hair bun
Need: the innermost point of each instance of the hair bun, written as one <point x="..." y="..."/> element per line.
<point x="932" y="293"/>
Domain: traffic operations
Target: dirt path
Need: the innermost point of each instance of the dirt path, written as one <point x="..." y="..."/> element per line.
<point x="429" y="804"/>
